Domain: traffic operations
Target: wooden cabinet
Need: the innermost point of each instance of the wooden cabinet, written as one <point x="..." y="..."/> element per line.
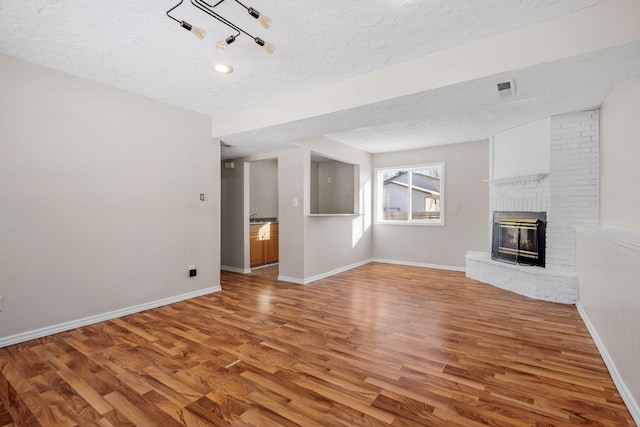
<point x="271" y="246"/>
<point x="263" y="244"/>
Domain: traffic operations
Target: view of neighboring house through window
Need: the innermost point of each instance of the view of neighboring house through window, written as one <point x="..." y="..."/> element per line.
<point x="411" y="194"/>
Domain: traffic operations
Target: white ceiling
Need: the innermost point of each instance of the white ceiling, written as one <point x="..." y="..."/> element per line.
<point x="134" y="46"/>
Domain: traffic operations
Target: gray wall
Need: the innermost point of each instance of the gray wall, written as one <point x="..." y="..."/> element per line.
<point x="291" y="233"/>
<point x="99" y="194"/>
<point x="466" y="208"/>
<point x="607" y="257"/>
<point x="263" y="198"/>
<point x="309" y="246"/>
<point x="314" y="190"/>
<point x="233" y="218"/>
<point x="335" y="187"/>
<point x="335" y="242"/>
<point x="235" y="213"/>
<point x="314" y="246"/>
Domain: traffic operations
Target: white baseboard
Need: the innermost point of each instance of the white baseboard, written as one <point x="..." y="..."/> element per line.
<point x="264" y="266"/>
<point x="419" y="264"/>
<point x="334" y="272"/>
<point x="61" y="327"/>
<point x="632" y="405"/>
<point x="291" y="280"/>
<point x="308" y="280"/>
<point x="235" y="269"/>
<point x="361" y="263"/>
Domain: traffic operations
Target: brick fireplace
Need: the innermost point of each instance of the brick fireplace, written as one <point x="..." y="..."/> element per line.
<point x="567" y="194"/>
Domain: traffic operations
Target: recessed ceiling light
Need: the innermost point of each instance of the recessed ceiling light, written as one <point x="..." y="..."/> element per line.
<point x="223" y="68"/>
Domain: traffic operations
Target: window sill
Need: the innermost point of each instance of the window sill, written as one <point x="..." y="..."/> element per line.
<point x="345" y="214"/>
<point x="411" y="223"/>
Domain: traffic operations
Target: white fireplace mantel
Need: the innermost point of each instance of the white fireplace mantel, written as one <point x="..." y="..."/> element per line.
<point x="517" y="179"/>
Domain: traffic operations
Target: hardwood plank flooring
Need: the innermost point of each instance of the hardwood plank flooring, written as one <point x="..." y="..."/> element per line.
<point x="380" y="345"/>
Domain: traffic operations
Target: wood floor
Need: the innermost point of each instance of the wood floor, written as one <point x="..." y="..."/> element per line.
<point x="376" y="346"/>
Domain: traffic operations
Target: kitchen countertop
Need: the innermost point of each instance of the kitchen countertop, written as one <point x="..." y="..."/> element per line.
<point x="261" y="221"/>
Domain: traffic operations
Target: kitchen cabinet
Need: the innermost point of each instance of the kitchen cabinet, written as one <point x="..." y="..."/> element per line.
<point x="263" y="244"/>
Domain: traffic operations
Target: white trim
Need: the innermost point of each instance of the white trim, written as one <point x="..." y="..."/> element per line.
<point x="627" y="238"/>
<point x="413" y="222"/>
<point x="291" y="280"/>
<point x="258" y="267"/>
<point x="235" y="269"/>
<point x="627" y="397"/>
<point x="361" y="263"/>
<point x="336" y="271"/>
<point x="517" y="179"/>
<point x="62" y="327"/>
<point x="335" y="214"/>
<point x="420" y="264"/>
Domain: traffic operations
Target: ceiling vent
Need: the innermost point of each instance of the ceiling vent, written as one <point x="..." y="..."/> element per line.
<point x="506" y="89"/>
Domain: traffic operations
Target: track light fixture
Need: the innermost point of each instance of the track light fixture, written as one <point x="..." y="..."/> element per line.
<point x="223" y="44"/>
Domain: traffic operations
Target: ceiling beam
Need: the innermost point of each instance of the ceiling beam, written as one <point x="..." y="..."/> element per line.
<point x="608" y="24"/>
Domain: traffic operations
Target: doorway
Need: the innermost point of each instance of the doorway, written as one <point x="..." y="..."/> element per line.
<point x="264" y="248"/>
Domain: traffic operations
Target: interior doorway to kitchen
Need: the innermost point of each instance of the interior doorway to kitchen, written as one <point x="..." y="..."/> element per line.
<point x="263" y="218"/>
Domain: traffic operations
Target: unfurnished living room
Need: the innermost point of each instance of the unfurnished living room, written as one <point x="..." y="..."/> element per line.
<point x="319" y="213"/>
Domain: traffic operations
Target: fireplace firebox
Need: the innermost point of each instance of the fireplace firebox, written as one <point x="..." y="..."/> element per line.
<point x="519" y="237"/>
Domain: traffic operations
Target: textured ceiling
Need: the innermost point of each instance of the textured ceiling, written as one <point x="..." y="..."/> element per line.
<point x="134" y="46"/>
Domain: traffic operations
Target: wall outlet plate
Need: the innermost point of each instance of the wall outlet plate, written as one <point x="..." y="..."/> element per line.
<point x="1" y="303"/>
<point x="193" y="272"/>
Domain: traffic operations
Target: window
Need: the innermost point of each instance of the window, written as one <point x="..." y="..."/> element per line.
<point x="410" y="195"/>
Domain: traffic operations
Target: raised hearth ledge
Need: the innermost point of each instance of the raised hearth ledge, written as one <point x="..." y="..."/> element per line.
<point x="533" y="282"/>
<point x="517" y="179"/>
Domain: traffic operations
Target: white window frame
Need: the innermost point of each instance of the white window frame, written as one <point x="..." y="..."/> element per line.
<point x="378" y="200"/>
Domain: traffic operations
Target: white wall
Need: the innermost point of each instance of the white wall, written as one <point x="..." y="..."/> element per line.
<point x="466" y="208"/>
<point x="607" y="257"/>
<point x="525" y="150"/>
<point x="99" y="199"/>
<point x="620" y="155"/>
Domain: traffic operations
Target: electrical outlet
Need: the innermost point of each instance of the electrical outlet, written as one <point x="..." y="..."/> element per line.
<point x="1" y="303"/>
<point x="192" y="271"/>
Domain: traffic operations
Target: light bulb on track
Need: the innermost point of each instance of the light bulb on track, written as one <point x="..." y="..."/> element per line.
<point x="262" y="19"/>
<point x="268" y="47"/>
<point x="196" y="31"/>
<point x="223" y="44"/>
